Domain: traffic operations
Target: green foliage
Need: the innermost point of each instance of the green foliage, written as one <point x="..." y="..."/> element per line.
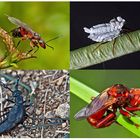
<point x="100" y="80"/>
<point x="49" y="19"/>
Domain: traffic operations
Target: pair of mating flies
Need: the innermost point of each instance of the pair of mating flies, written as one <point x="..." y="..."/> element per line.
<point x="24" y="32"/>
<point x="101" y="112"/>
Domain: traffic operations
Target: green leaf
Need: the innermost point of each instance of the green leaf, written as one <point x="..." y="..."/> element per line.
<point x="101" y="52"/>
<point x="85" y="93"/>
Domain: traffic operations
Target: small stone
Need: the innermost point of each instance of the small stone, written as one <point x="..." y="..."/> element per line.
<point x="49" y="114"/>
<point x="63" y="110"/>
<point x="64" y="125"/>
<point x="38" y="112"/>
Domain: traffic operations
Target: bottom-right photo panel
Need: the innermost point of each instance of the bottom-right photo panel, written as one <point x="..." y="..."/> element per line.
<point x="105" y="103"/>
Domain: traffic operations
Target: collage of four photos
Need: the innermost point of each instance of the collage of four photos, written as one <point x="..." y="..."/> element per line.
<point x="69" y="69"/>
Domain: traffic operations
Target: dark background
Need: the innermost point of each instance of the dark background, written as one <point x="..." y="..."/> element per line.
<point x="87" y="14"/>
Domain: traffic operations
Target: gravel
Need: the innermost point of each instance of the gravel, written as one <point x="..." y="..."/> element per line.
<point x="48" y="116"/>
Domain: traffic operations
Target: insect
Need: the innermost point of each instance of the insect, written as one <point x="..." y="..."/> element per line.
<point x="107" y="31"/>
<point x="101" y="112"/>
<point x="25" y="32"/>
<point x="17" y="114"/>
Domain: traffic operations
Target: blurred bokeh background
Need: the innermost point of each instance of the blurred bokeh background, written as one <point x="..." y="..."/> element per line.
<point x="100" y="80"/>
<point x="49" y="19"/>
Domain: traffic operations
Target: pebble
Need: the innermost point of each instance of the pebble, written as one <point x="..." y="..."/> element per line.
<point x="63" y="110"/>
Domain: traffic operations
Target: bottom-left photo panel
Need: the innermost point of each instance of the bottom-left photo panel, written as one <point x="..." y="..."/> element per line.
<point x="34" y="104"/>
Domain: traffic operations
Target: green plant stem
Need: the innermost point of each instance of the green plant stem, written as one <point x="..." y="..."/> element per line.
<point x="85" y="93"/>
<point x="101" y="52"/>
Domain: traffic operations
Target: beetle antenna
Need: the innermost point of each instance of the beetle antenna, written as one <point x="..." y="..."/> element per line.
<point x="5" y="86"/>
<point x="17" y="82"/>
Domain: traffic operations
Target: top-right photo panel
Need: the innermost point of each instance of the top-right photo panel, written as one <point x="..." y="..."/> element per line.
<point x="105" y="35"/>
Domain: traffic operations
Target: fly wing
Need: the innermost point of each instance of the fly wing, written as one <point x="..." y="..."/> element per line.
<point x="100" y="102"/>
<point x="20" y="24"/>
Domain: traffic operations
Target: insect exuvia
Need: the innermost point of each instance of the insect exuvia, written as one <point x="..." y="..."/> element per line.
<point x="25" y="32"/>
<point x="101" y="112"/>
<point x="107" y="31"/>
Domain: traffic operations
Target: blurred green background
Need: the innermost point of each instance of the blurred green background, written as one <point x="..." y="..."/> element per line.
<point x="49" y="19"/>
<point x="100" y="80"/>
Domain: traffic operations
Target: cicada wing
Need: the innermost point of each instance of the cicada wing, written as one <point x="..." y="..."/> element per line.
<point x="20" y="23"/>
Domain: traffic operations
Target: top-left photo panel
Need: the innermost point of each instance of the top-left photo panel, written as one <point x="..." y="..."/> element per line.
<point x="34" y="35"/>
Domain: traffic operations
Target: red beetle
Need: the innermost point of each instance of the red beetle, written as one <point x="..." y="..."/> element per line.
<point x="24" y="32"/>
<point x="101" y="112"/>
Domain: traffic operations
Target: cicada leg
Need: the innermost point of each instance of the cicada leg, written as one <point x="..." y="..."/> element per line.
<point x="130" y="40"/>
<point x="113" y="48"/>
<point x="99" y="45"/>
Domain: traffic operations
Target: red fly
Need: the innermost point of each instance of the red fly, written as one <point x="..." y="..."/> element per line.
<point x="25" y="32"/>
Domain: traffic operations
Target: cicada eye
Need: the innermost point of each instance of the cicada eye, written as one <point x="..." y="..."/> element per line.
<point x="120" y="19"/>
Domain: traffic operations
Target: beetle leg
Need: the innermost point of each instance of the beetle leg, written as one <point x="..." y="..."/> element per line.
<point x="4" y="114"/>
<point x="10" y="100"/>
<point x="5" y="109"/>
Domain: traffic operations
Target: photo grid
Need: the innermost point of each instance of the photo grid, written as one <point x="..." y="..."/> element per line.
<point x="69" y="69"/>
